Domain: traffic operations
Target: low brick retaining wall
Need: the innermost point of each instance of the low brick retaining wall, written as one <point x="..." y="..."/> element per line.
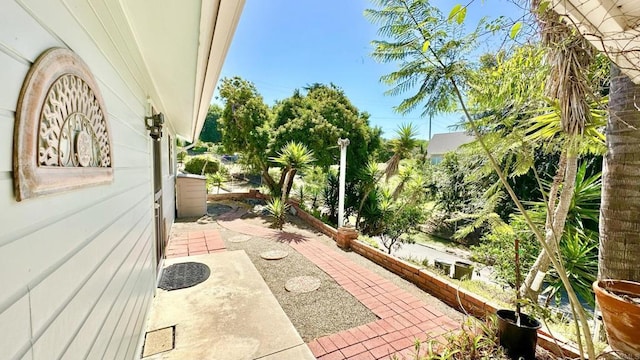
<point x="252" y="194"/>
<point x="445" y="290"/>
<point x="314" y="222"/>
<point x="452" y="294"/>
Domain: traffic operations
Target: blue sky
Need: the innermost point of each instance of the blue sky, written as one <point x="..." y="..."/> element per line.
<point x="281" y="45"/>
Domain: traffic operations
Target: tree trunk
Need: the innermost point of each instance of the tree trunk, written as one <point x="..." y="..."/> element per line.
<point x="620" y="206"/>
<point x="554" y="227"/>
<point x="292" y="175"/>
<point x="268" y="179"/>
<point x="364" y="198"/>
<point x="284" y="195"/>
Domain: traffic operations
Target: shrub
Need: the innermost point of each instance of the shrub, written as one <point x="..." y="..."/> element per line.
<point x="200" y="149"/>
<point x="202" y="165"/>
<point x="216" y="180"/>
<point x="497" y="249"/>
<point x="181" y="156"/>
<point x="475" y="341"/>
<point x="369" y="241"/>
<point x="278" y="210"/>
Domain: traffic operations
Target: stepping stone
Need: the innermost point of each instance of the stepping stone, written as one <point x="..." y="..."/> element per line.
<point x="239" y="238"/>
<point x="206" y="219"/>
<point x="274" y="255"/>
<point x="302" y="284"/>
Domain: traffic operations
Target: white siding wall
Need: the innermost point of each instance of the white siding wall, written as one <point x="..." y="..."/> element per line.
<point x="77" y="269"/>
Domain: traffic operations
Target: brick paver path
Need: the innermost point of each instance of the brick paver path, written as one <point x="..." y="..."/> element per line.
<point x="185" y="243"/>
<point x="403" y="317"/>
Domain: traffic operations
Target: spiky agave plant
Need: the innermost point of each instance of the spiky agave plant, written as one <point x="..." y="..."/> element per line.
<point x="278" y="211"/>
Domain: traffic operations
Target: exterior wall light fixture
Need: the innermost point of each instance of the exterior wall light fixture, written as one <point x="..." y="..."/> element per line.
<point x="154" y="125"/>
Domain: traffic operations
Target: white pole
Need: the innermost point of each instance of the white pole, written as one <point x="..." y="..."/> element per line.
<point x="343" y="143"/>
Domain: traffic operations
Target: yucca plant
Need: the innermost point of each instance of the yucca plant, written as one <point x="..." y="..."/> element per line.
<point x="278" y="211"/>
<point x="293" y="157"/>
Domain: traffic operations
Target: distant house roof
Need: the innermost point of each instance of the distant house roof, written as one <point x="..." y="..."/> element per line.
<point x="443" y="143"/>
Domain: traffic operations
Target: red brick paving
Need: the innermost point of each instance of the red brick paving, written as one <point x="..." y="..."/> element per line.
<point x="403" y="317"/>
<point x="186" y="243"/>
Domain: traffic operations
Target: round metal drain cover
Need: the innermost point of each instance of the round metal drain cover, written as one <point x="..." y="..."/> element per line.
<point x="239" y="238"/>
<point x="183" y="275"/>
<point x="302" y="284"/>
<point x="274" y="255"/>
<point x="218" y="209"/>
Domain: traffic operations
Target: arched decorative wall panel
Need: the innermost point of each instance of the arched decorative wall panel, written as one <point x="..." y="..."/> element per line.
<point x="61" y="138"/>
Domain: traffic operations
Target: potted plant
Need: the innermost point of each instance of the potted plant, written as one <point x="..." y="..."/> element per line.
<point x="619" y="302"/>
<point x="518" y="332"/>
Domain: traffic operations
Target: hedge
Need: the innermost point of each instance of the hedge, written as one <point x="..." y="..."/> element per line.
<point x="196" y="164"/>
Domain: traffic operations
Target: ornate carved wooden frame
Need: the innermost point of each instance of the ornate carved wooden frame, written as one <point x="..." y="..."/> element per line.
<point x="61" y="138"/>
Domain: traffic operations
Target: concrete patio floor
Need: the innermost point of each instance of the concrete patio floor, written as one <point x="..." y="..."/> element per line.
<point x="231" y="316"/>
<point x="402" y="317"/>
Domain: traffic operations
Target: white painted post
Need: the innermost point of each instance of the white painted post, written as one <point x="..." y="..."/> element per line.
<point x="343" y="143"/>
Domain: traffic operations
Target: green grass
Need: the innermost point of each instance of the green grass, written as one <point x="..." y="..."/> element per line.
<point x="369" y="241"/>
<point x="567" y="330"/>
<point x="496" y="294"/>
<point x="431" y="240"/>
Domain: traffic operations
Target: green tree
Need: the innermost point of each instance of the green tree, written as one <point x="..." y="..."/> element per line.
<point x="245" y="125"/>
<point x="402" y="146"/>
<point x="210" y="131"/>
<point x="399" y="222"/>
<point x="315" y="181"/>
<point x="317" y="117"/>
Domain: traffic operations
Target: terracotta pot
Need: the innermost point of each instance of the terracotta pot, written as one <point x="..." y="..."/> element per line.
<point x="621" y="317"/>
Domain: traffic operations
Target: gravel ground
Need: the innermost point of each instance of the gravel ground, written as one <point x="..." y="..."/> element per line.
<point x="314" y="314"/>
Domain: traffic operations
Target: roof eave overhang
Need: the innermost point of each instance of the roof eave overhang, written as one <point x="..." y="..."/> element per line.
<point x="217" y="27"/>
<point x="608" y="29"/>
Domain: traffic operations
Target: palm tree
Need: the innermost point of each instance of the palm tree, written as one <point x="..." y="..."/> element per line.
<point x="620" y="207"/>
<point x="369" y="177"/>
<point x="401" y="146"/>
<point x="293" y="156"/>
<point x="559" y="195"/>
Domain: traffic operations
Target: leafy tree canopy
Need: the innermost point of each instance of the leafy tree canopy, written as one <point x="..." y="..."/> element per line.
<point x="320" y="115"/>
<point x="245" y="122"/>
<point x="210" y="132"/>
<point x="315" y="117"/>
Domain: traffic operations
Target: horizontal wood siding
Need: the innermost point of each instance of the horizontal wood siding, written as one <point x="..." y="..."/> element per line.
<point x="77" y="269"/>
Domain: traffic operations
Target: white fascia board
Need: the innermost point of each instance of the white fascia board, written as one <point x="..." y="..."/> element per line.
<point x="212" y="53"/>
